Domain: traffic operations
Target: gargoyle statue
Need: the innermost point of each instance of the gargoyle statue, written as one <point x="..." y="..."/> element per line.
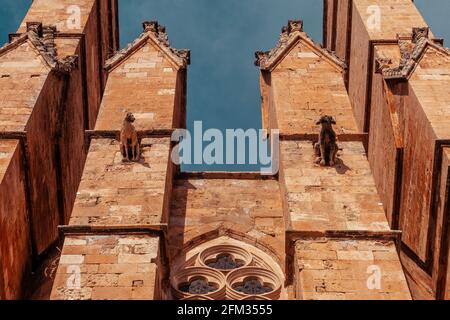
<point x="326" y="149"/>
<point x="129" y="142"/>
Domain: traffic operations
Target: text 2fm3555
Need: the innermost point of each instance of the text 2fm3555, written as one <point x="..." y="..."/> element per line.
<point x="235" y="310"/>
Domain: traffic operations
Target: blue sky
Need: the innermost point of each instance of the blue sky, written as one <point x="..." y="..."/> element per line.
<point x="223" y="84"/>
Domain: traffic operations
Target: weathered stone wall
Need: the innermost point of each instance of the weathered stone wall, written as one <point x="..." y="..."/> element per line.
<point x="146" y="84"/>
<point x="395" y="17"/>
<point x="358" y="64"/>
<point x="108" y="267"/>
<point x="417" y="176"/>
<point x="96" y="27"/>
<point x="42" y="166"/>
<point x="441" y="242"/>
<point x="336" y="24"/>
<point x="320" y="202"/>
<point x="53" y="110"/>
<point x="249" y="208"/>
<point x="121" y="198"/>
<point x="114" y="193"/>
<point x="296" y="106"/>
<point x="425" y="110"/>
<point x="342" y="26"/>
<point x="339" y="198"/>
<point x="337" y="269"/>
<point x="15" y="250"/>
<point x="404" y="156"/>
<point x="385" y="152"/>
<point x="72" y="120"/>
<point x="443" y="232"/>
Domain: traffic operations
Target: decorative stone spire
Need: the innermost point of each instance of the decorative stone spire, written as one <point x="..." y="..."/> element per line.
<point x="159" y="34"/>
<point x="289" y="34"/>
<point x="159" y="31"/>
<point x="43" y="39"/>
<point x="36" y="27"/>
<point x="411" y="50"/>
<point x="293" y="26"/>
<point x="419" y="33"/>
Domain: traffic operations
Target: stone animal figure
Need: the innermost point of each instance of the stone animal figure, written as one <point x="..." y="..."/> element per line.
<point x="326" y="149"/>
<point x="129" y="143"/>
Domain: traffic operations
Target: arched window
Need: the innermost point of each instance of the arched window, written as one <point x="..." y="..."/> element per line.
<point x="226" y="269"/>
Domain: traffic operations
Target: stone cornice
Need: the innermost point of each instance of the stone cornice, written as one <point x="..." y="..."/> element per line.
<point x="156" y="33"/>
<point x="412" y="48"/>
<point x="42" y="39"/>
<point x="289" y="37"/>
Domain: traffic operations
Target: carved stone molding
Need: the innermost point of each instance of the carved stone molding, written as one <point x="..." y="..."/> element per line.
<point x="253" y="281"/>
<point x="412" y="47"/>
<point x="158" y="33"/>
<point x="289" y="35"/>
<point x="382" y="64"/>
<point x="419" y="33"/>
<point x="42" y="38"/>
<point x="199" y="281"/>
<point x="226" y="271"/>
<point x="255" y="298"/>
<point x="197" y="298"/>
<point x="239" y="257"/>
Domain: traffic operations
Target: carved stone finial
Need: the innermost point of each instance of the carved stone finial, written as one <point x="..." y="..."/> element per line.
<point x="419" y="33"/>
<point x="67" y="64"/>
<point x="151" y="26"/>
<point x="184" y="54"/>
<point x="295" y="25"/>
<point x="48" y="35"/>
<point x="162" y="36"/>
<point x="382" y="64"/>
<point x="260" y="56"/>
<point x="35" y="27"/>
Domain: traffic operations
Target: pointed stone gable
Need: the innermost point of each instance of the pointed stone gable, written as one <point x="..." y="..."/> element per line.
<point x="291" y="35"/>
<point x="156" y="35"/>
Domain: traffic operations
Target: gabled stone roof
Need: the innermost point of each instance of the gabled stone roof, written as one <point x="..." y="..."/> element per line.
<point x="289" y="37"/>
<point x="412" y="48"/>
<point x="157" y="34"/>
<point x="42" y="39"/>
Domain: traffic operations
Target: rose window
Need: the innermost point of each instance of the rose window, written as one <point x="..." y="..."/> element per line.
<point x="226" y="272"/>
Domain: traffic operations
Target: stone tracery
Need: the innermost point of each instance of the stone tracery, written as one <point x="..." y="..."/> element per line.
<point x="226" y="272"/>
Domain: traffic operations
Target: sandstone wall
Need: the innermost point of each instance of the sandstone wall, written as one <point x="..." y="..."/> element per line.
<point x="406" y="164"/>
<point x="385" y="151"/>
<point x="334" y="216"/>
<point x="248" y="208"/>
<point x="41" y="130"/>
<point x="128" y="201"/>
<point x="296" y="107"/>
<point x="340" y="198"/>
<point x="108" y="267"/>
<point x="147" y="84"/>
<point x="394" y="17"/>
<point x="330" y="269"/>
<point x="123" y="194"/>
<point x="15" y="244"/>
<point x="54" y="110"/>
<point x="443" y="215"/>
